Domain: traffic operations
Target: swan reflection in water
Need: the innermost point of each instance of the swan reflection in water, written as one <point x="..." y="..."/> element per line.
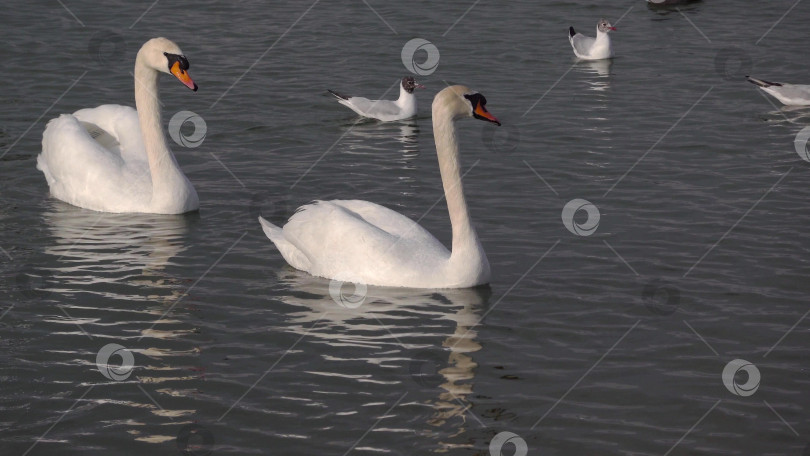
<point x="427" y="335"/>
<point x="110" y="270"/>
<point x="116" y="256"/>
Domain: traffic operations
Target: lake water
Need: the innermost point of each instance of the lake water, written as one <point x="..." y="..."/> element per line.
<point x="591" y="339"/>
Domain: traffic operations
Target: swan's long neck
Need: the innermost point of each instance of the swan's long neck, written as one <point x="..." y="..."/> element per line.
<point x="466" y="246"/>
<point x="162" y="165"/>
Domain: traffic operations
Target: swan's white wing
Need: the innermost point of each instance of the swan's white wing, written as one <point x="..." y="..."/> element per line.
<point x="120" y="122"/>
<point x="582" y="44"/>
<point x="82" y="172"/>
<point x="363" y="242"/>
<point x="378" y="109"/>
<point x="390" y="221"/>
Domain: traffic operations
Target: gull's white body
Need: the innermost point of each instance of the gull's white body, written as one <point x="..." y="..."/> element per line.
<point x="128" y="167"/>
<point x="787" y="94"/>
<point x="386" y="110"/>
<point x="362" y="242"/>
<point x="589" y="48"/>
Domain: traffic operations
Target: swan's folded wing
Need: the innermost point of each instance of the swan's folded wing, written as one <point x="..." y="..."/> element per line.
<point x="122" y="123"/>
<point x="74" y="164"/>
<point x="582" y="44"/>
<point x="353" y="237"/>
<point x="390" y="221"/>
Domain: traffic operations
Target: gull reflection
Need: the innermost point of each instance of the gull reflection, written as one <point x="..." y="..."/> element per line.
<point x="597" y="73"/>
<point x="789" y="115"/>
<point x="378" y="137"/>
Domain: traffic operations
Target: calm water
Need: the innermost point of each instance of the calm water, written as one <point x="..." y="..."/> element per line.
<point x="612" y="343"/>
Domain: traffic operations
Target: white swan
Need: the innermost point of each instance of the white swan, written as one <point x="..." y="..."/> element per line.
<point x="788" y="94"/>
<point x="386" y="110"/>
<point x="362" y="242"/>
<point x="588" y="48"/>
<point x="114" y="159"/>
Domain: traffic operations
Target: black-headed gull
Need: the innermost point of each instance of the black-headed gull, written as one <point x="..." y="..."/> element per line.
<point x="588" y="48"/>
<point x="385" y="110"/>
<point x="788" y="94"/>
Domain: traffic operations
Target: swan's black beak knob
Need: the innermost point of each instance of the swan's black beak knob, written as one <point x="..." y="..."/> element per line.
<point x="479" y="110"/>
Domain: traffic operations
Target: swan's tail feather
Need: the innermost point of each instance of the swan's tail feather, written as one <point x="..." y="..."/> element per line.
<point x="339" y="96"/>
<point x="42" y="165"/>
<point x="273" y="232"/>
<point x="291" y="253"/>
<point x="762" y="82"/>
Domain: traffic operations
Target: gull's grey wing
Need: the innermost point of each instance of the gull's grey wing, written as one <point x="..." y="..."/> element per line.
<point x="372" y="108"/>
<point x="582" y="44"/>
<point x="788" y="94"/>
<point x="791" y="94"/>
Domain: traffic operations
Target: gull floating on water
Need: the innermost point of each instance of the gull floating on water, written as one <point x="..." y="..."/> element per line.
<point x="588" y="48"/>
<point x="788" y="94"/>
<point x="385" y="110"/>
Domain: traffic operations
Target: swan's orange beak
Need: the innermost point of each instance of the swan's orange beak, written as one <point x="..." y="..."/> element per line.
<point x="183" y="76"/>
<point x="480" y="112"/>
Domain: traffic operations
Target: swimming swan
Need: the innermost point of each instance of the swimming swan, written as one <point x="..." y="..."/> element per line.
<point x="362" y="242"/>
<point x="115" y="159"/>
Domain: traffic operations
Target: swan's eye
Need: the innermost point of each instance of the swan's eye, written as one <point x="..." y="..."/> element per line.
<point x="180" y="60"/>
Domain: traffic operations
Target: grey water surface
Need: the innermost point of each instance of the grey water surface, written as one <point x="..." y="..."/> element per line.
<point x="590" y="340"/>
